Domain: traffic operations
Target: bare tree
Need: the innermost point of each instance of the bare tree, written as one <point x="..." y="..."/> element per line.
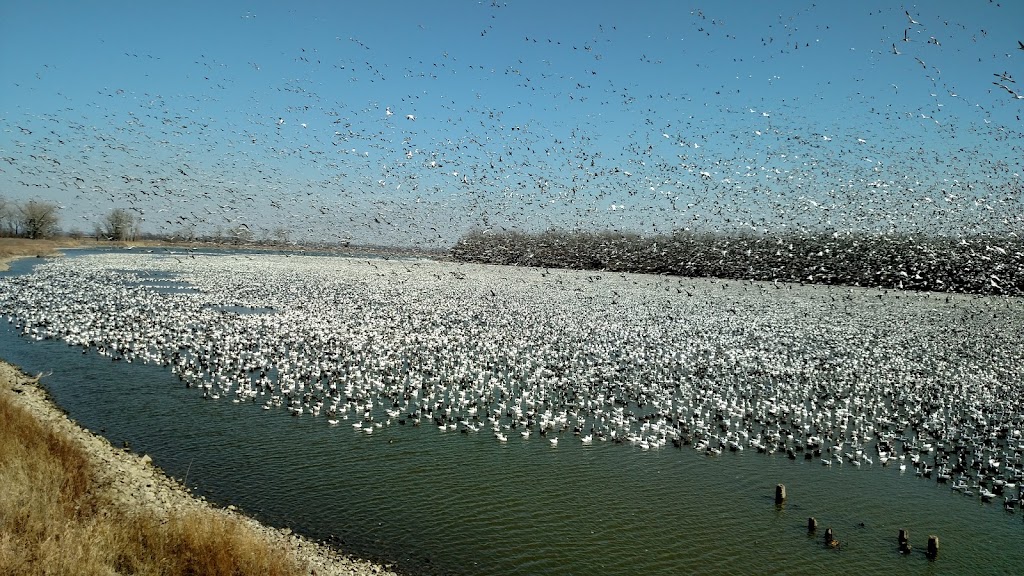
<point x="281" y="235"/>
<point x="38" y="219"/>
<point x="120" y="224"/>
<point x="186" y="233"/>
<point x="8" y="218"/>
<point x="240" y="234"/>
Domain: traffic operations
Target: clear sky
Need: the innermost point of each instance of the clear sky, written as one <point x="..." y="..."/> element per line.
<point x="411" y="122"/>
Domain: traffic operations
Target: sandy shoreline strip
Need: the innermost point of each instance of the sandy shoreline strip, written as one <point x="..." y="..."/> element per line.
<point x="135" y="483"/>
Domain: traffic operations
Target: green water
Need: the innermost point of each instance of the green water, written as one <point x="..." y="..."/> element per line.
<point x="445" y="502"/>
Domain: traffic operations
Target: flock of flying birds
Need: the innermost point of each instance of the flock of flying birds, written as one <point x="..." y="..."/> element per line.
<point x="574" y="128"/>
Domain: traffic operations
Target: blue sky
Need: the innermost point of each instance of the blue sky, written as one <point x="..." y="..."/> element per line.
<point x="640" y="116"/>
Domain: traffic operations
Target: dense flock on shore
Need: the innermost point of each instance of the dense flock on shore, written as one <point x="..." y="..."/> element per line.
<point x="924" y="382"/>
<point x="976" y="264"/>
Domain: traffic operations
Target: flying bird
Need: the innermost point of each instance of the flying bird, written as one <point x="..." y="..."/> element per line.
<point x="1010" y="91"/>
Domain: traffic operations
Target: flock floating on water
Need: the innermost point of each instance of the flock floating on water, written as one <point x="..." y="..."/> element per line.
<point x="930" y="384"/>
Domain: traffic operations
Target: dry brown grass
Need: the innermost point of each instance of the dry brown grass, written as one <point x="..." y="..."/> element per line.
<point x="22" y="247"/>
<point x="14" y="248"/>
<point x="55" y="520"/>
<point x="18" y="247"/>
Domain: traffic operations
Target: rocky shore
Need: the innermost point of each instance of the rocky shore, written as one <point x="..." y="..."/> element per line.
<point x="134" y="482"/>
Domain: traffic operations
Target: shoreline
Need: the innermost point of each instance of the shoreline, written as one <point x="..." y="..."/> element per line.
<point x="12" y="249"/>
<point x="135" y="484"/>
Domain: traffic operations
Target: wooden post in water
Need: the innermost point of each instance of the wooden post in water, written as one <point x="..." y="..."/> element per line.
<point x="812" y="525"/>
<point x="933" y="546"/>
<point x="904" y="540"/>
<point x="830" y="539"/>
<point x="780" y="493"/>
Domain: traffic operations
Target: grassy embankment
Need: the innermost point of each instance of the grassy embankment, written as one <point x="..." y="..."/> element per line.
<point x="11" y="248"/>
<point x="56" y="519"/>
<point x="14" y="248"/>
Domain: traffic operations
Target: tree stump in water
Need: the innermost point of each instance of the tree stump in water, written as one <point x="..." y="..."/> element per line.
<point x="904" y="540"/>
<point x="780" y="493"/>
<point x="830" y="539"/>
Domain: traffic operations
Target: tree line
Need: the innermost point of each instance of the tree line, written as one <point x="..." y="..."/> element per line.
<point x="39" y="219"/>
<point x="29" y="219"/>
<point x="978" y="264"/>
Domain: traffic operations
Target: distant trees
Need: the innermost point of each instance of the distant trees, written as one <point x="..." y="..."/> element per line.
<point x="280" y="236"/>
<point x="119" y="224"/>
<point x="973" y="264"/>
<point x="186" y="234"/>
<point x="240" y="234"/>
<point x="38" y="219"/>
<point x="29" y="219"/>
<point x="8" y="217"/>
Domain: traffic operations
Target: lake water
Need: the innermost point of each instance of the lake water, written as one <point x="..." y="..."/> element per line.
<point x="453" y="503"/>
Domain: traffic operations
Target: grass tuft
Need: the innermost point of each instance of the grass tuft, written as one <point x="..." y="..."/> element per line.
<point x="55" y="520"/>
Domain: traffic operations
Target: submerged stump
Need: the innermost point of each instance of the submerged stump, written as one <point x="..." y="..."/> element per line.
<point x="904" y="540"/>
<point x="780" y="493"/>
<point x="933" y="546"/>
<point x="830" y="539"/>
